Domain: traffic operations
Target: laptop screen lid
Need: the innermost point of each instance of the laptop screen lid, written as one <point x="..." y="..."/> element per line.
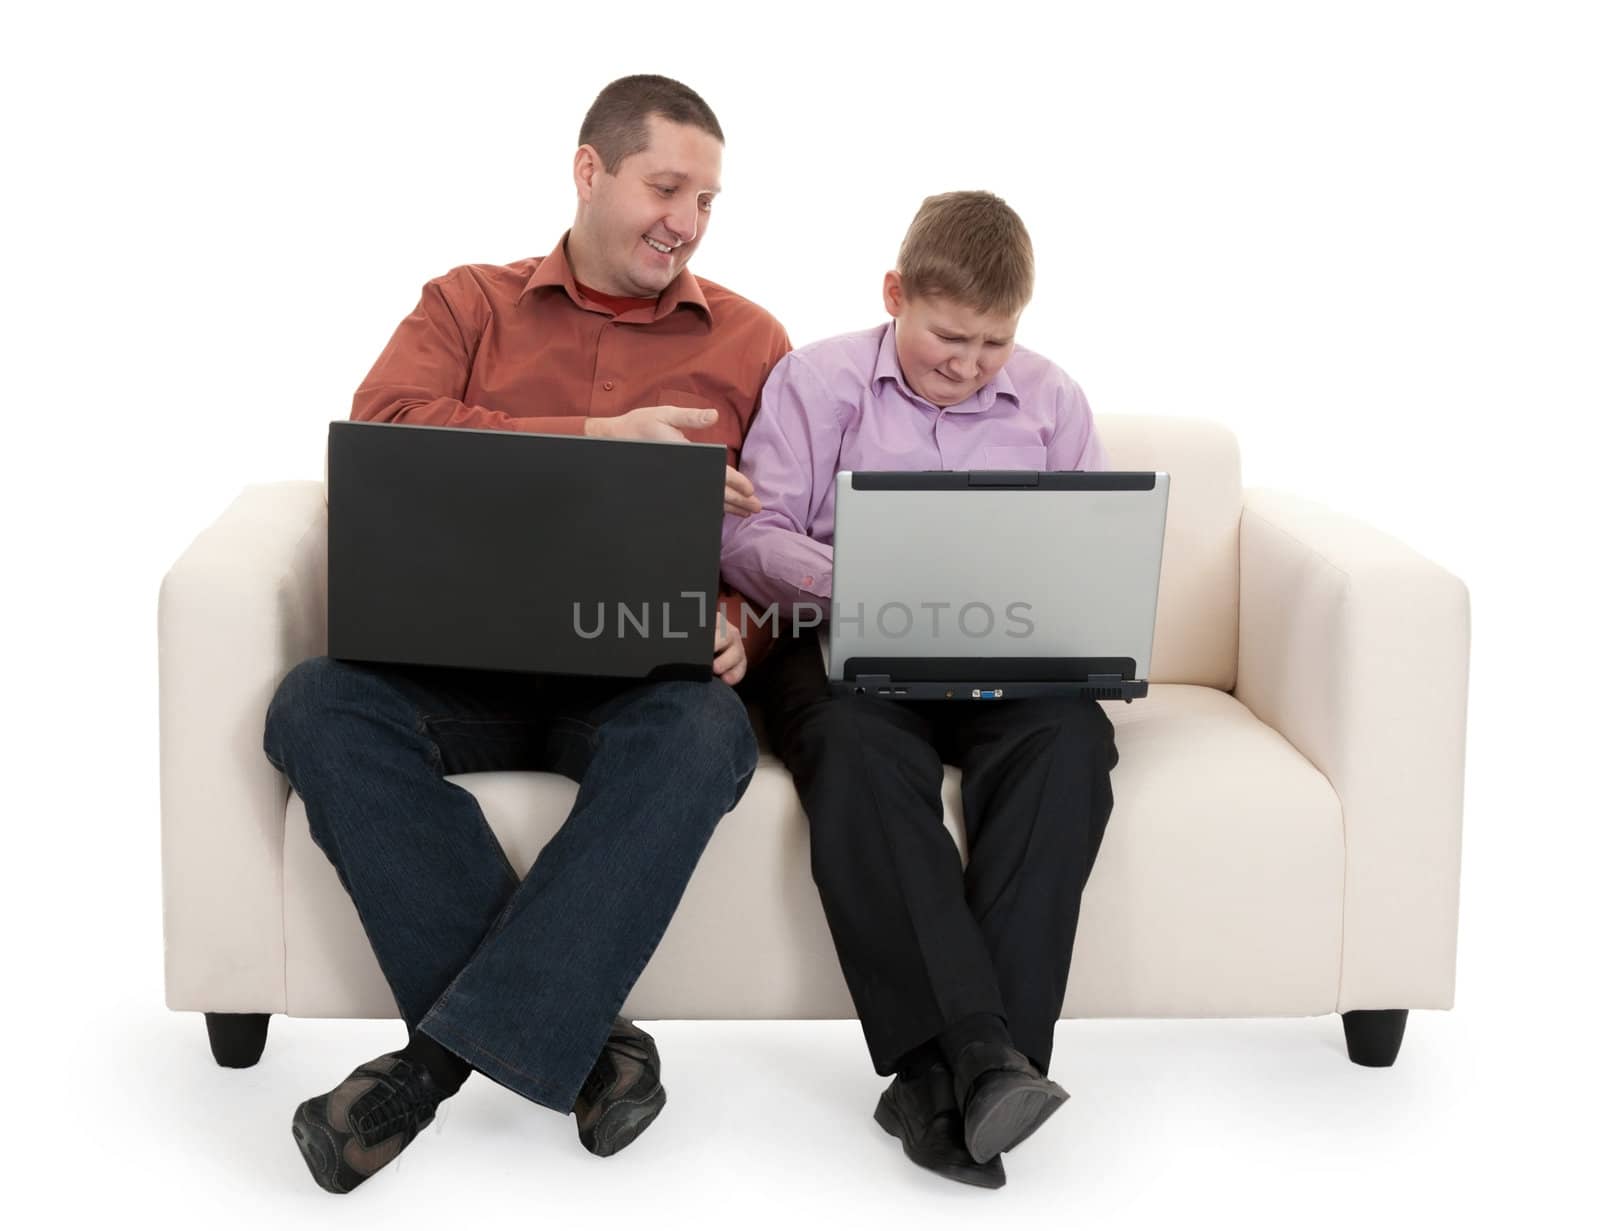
<point x="519" y="551"/>
<point x="991" y="584"/>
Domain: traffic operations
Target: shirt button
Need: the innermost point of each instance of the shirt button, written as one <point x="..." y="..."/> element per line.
<point x="610" y="385"/>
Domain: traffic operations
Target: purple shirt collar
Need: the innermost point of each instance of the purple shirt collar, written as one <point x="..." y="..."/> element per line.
<point x="888" y="368"/>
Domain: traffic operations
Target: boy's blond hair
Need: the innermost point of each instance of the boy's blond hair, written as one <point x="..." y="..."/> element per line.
<point x="970" y="247"/>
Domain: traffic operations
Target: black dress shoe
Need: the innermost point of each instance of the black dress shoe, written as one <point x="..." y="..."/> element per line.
<point x="922" y="1112"/>
<point x="361" y="1124"/>
<point x="1003" y="1098"/>
<point x="623" y="1092"/>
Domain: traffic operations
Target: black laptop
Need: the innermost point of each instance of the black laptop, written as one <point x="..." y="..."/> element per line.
<point x="514" y="551"/>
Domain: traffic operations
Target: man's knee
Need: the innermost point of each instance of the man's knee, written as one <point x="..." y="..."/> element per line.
<point x="709" y="721"/>
<point x="308" y="699"/>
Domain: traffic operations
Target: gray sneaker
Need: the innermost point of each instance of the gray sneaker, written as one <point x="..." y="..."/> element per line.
<point x="360" y="1125"/>
<point x="623" y="1092"/>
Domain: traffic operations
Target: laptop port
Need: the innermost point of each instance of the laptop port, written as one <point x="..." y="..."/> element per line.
<point x="988" y="694"/>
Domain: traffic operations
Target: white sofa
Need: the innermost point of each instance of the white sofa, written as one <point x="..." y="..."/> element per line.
<point x="1285" y="840"/>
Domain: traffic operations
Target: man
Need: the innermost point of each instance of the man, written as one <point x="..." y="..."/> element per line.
<point x="610" y="336"/>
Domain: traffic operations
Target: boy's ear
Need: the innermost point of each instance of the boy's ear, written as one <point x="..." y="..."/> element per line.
<point x="894" y="295"/>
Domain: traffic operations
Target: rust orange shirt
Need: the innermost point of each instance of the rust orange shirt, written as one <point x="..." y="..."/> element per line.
<point x="520" y="347"/>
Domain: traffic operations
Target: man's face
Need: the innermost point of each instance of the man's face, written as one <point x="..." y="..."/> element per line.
<point x="642" y="224"/>
<point x="947" y="350"/>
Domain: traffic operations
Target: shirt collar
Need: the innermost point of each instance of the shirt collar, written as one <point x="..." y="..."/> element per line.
<point x="888" y="368"/>
<point x="556" y="271"/>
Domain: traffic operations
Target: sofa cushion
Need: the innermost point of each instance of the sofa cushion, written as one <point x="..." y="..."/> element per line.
<point x="1217" y="890"/>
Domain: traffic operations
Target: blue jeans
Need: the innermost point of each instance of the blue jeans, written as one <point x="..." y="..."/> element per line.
<point x="521" y="980"/>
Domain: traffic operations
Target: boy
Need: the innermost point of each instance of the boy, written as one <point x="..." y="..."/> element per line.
<point x="958" y="977"/>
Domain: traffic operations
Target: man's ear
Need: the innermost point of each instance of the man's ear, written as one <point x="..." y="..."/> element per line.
<point x="586" y="167"/>
<point x="894" y="296"/>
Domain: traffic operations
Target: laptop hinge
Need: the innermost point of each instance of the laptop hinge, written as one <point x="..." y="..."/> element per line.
<point x="871" y="681"/>
<point x="1104" y="679"/>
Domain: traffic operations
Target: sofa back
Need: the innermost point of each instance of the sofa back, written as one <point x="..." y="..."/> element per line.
<point x="1197" y="617"/>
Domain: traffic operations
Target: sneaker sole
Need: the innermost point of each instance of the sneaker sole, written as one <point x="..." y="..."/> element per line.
<point x="622" y="1124"/>
<point x="1012" y="1120"/>
<point x="319" y="1151"/>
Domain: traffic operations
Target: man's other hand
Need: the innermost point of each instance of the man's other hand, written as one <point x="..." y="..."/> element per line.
<point x="667" y="423"/>
<point x="729" y="663"/>
<point x="739" y="495"/>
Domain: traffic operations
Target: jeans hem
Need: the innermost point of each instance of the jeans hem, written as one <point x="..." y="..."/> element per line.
<point x="500" y="1071"/>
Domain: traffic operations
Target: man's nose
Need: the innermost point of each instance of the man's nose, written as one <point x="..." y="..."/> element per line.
<point x="684" y="223"/>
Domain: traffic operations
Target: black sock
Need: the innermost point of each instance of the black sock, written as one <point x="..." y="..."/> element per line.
<point x="979" y="1028"/>
<point x="918" y="1060"/>
<point x="447" y="1069"/>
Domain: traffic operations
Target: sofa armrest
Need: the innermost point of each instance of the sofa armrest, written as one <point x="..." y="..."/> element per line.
<point x="1354" y="648"/>
<point x="243" y="604"/>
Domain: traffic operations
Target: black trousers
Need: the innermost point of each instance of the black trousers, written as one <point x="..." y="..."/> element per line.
<point x="923" y="943"/>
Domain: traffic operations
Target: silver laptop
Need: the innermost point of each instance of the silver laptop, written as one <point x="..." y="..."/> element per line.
<point x="989" y="585"/>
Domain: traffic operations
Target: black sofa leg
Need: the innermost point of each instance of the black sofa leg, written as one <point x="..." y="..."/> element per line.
<point x="1372" y="1036"/>
<point x="237" y="1039"/>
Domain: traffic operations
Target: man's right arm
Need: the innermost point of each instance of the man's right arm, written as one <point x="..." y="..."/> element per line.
<point x="422" y="375"/>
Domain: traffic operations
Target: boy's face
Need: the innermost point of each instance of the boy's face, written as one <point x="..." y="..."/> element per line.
<point x="642" y="224"/>
<point x="947" y="350"/>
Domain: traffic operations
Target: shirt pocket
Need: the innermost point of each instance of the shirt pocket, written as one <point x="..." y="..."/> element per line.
<point x="1015" y="457"/>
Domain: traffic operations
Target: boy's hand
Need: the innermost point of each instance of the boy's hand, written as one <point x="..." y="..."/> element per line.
<point x="729" y="664"/>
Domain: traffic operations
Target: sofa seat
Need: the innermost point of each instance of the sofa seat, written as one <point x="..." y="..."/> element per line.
<point x="1218" y="890"/>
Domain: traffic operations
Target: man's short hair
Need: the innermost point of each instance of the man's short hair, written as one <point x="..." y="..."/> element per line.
<point x="970" y="247"/>
<point x="618" y="123"/>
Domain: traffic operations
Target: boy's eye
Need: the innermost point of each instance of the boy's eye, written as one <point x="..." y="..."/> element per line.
<point x="705" y="204"/>
<point x="666" y="192"/>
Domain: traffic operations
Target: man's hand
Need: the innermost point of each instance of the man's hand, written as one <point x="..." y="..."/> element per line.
<point x="650" y="423"/>
<point x="667" y="423"/>
<point x="729" y="664"/>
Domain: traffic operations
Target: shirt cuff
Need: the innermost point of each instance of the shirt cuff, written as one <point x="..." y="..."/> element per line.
<point x="555" y="425"/>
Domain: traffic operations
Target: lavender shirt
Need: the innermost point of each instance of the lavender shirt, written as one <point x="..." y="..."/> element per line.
<point x="842" y="404"/>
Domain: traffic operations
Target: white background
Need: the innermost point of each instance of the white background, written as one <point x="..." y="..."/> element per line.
<point x="1361" y="236"/>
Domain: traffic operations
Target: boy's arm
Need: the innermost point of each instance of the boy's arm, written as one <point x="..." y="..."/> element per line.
<point x="790" y="456"/>
<point x="1074" y="445"/>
